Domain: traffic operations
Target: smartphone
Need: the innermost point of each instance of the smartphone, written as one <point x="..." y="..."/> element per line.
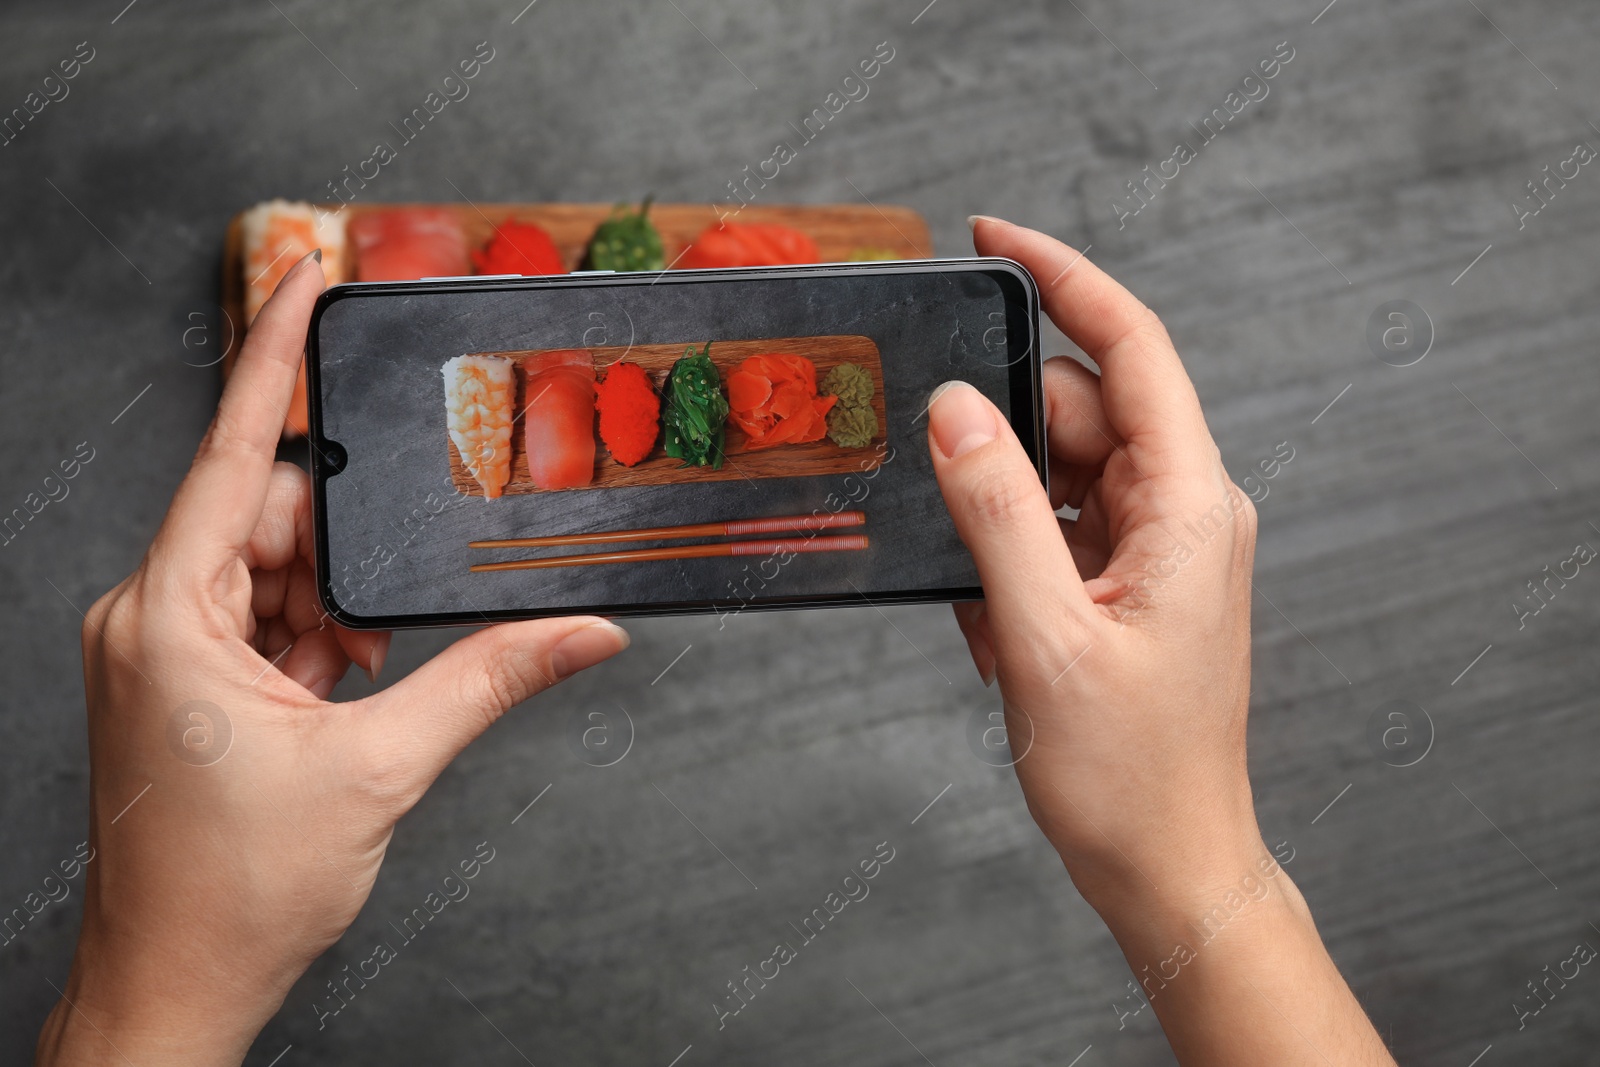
<point x="482" y="451"/>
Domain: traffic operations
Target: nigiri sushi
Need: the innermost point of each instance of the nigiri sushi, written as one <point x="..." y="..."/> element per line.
<point x="405" y="244"/>
<point x="519" y="248"/>
<point x="277" y="235"/>
<point x="560" y="418"/>
<point x="479" y="394"/>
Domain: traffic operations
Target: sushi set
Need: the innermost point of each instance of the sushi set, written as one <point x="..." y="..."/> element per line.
<point x="526" y="422"/>
<point x="395" y="242"/>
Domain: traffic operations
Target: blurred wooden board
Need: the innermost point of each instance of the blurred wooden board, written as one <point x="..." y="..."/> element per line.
<point x="838" y="229"/>
<point x="781" y="461"/>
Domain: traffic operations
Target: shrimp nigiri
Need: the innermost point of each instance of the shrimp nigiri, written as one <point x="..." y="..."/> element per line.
<point x="560" y="418"/>
<point x="478" y="397"/>
<point x="278" y="234"/>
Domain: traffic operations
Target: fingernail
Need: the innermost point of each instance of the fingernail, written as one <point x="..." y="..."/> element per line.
<point x="380" y="652"/>
<point x="961" y="418"/>
<point x="584" y="648"/>
<point x="313" y="256"/>
<point x="987" y="674"/>
<point x="973" y="220"/>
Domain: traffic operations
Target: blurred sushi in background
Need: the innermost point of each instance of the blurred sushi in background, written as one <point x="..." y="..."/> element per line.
<point x="519" y="248"/>
<point x="407" y="244"/>
<point x="378" y="243"/>
<point x="278" y="234"/>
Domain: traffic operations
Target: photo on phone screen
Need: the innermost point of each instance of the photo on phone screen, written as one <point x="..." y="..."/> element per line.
<point x="652" y="444"/>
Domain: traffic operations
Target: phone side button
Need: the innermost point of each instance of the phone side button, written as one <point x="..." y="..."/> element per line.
<point x="470" y="277"/>
<point x="570" y="273"/>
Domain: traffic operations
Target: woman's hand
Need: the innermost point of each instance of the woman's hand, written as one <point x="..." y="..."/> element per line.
<point x="237" y="818"/>
<point x="1121" y="641"/>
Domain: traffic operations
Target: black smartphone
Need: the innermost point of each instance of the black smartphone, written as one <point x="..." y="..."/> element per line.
<point x="486" y="449"/>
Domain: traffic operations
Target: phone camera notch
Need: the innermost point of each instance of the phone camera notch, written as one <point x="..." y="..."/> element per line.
<point x="334" y="457"/>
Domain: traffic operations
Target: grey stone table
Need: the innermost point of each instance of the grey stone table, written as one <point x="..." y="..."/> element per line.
<point x="1387" y="160"/>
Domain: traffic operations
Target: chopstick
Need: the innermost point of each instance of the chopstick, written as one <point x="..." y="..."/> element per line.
<point x="731" y="528"/>
<point x="838" y="543"/>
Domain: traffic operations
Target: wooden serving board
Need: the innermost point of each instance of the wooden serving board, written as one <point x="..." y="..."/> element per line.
<point x="838" y="229"/>
<point x="780" y="461"/>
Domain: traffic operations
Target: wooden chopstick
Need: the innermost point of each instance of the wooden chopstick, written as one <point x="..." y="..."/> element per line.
<point x="838" y="543"/>
<point x="731" y="528"/>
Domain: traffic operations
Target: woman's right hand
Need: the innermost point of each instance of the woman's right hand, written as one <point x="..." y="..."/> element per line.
<point x="1121" y="639"/>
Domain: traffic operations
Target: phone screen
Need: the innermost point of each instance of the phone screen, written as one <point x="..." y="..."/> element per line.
<point x="624" y="416"/>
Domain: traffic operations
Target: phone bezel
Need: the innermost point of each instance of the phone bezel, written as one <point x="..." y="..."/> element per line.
<point x="1026" y="401"/>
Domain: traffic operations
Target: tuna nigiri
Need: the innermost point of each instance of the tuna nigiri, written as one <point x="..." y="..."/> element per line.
<point x="404" y="244"/>
<point x="560" y="418"/>
<point x="478" y="398"/>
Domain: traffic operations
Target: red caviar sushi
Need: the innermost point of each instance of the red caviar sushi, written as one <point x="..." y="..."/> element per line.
<point x="519" y="248"/>
<point x="630" y="412"/>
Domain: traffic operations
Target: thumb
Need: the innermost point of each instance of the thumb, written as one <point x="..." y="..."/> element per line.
<point x="1003" y="514"/>
<point x="444" y="705"/>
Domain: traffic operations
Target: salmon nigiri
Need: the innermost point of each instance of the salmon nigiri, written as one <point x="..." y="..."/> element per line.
<point x="405" y="244"/>
<point x="560" y="418"/>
